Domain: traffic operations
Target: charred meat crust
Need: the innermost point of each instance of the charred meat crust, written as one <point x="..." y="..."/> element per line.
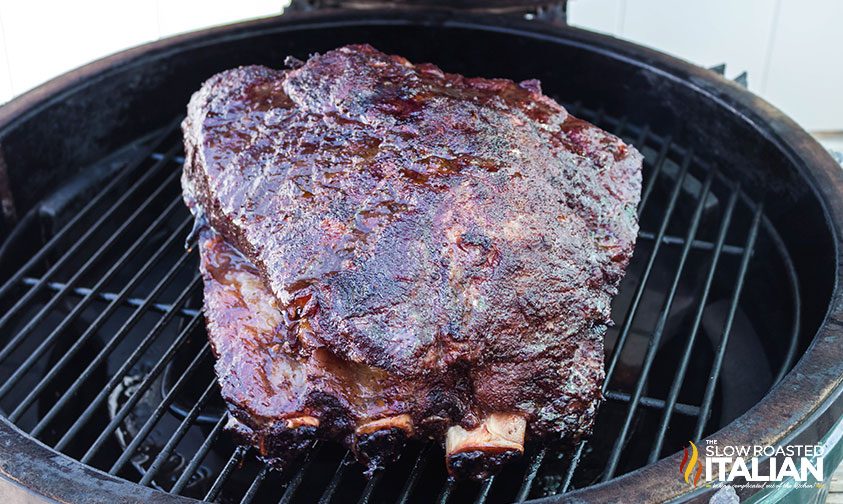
<point x="279" y="402"/>
<point x="480" y="464"/>
<point x="377" y="449"/>
<point x="451" y="243"/>
<point x="278" y="444"/>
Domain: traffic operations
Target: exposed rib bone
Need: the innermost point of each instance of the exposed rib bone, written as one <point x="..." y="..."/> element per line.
<point x="302" y="421"/>
<point x="379" y="442"/>
<point x="480" y="452"/>
<point x="402" y="422"/>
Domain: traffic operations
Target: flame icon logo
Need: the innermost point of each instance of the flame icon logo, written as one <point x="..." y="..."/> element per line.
<point x="686" y="467"/>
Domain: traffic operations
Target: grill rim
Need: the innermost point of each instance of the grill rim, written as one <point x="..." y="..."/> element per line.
<point x="781" y="416"/>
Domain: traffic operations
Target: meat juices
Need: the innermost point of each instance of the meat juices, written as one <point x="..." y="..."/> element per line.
<point x="393" y="252"/>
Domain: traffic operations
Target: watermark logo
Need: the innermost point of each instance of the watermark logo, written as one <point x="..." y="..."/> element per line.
<point x="690" y="462"/>
<point x="759" y="466"/>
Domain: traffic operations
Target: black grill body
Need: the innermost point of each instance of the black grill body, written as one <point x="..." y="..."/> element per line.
<point x="106" y="386"/>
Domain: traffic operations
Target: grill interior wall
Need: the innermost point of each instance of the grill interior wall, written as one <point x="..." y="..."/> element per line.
<point x="103" y="354"/>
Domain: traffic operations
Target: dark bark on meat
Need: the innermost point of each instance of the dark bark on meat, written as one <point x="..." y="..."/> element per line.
<point x="427" y="246"/>
<point x="282" y="399"/>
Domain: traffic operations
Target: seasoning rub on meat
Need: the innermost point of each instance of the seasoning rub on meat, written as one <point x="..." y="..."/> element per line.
<point x="393" y="252"/>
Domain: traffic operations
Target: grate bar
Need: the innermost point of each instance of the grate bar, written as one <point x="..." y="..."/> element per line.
<point x="678" y="380"/>
<point x="655" y="339"/>
<point x="142" y="387"/>
<point x="651" y="183"/>
<point x="415" y="472"/>
<point x="331" y="489"/>
<point x="485" y="486"/>
<point x="370" y="488"/>
<point x="294" y="483"/>
<point x="642" y="136"/>
<point x="113" y="382"/>
<point x="179" y="433"/>
<point x="572" y="467"/>
<point x="658" y="404"/>
<point x="252" y="492"/>
<point x="72" y="252"/>
<point x="110" y="296"/>
<point x="530" y="475"/>
<point x="95" y="325"/>
<point x="158" y="155"/>
<point x="445" y="494"/>
<point x="24" y="301"/>
<point x="620" y="126"/>
<point x="225" y="473"/>
<point x="198" y="457"/>
<point x="708" y="397"/>
<point x="130" y="168"/>
<point x="696" y="244"/>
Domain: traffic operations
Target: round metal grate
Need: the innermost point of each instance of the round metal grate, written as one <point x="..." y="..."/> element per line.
<point x="103" y="354"/>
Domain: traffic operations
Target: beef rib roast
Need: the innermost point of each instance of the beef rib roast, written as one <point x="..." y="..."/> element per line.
<point x="391" y="252"/>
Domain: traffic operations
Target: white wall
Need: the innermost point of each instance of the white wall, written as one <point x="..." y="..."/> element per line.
<point x="792" y="49"/>
<point x="40" y="39"/>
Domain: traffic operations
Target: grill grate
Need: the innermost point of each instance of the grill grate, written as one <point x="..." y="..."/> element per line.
<point x="104" y="357"/>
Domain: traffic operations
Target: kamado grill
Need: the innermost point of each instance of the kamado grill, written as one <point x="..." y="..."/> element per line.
<point x="728" y="324"/>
